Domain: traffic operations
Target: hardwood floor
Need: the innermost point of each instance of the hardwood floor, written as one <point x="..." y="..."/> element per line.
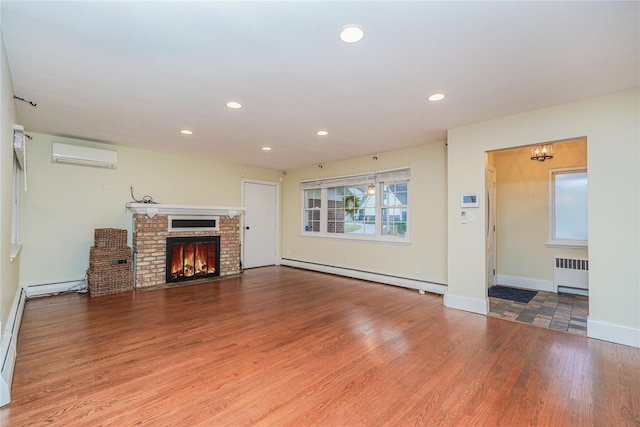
<point x="282" y="346"/>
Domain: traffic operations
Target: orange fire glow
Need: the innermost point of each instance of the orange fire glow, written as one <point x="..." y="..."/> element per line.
<point x="193" y="259"/>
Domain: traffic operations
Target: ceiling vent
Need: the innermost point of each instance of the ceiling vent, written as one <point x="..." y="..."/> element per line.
<point x="85" y="156"/>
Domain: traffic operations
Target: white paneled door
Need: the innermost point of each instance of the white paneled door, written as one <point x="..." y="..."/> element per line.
<point x="260" y="232"/>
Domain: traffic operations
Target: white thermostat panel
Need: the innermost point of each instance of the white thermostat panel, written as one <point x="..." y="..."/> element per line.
<point x="469" y="201"/>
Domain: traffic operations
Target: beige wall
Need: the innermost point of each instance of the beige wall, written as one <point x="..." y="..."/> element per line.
<point x="65" y="203"/>
<point x="523" y="209"/>
<point x="8" y="269"/>
<point x="427" y="216"/>
<point x="611" y="126"/>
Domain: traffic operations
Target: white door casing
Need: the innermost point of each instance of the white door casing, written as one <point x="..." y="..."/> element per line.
<point x="260" y="223"/>
<point x="491" y="226"/>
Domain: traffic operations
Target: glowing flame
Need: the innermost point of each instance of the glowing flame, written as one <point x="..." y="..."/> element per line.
<point x="192" y="259"/>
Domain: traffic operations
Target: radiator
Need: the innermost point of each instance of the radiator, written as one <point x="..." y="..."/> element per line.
<point x="571" y="273"/>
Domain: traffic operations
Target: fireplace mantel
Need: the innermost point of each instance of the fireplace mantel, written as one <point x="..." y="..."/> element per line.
<point x="153" y="209"/>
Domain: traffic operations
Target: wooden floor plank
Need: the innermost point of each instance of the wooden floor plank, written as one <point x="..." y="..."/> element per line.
<point x="280" y="346"/>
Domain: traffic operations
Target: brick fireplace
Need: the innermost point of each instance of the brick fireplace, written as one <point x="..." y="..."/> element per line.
<point x="151" y="231"/>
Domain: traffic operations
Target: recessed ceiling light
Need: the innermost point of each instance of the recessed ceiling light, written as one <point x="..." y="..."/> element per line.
<point x="437" y="97"/>
<point x="322" y="133"/>
<point x="234" y="105"/>
<point x="186" y="132"/>
<point x="351" y="34"/>
<point x="266" y="148"/>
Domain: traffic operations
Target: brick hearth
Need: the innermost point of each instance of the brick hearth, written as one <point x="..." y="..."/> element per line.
<point x="150" y="239"/>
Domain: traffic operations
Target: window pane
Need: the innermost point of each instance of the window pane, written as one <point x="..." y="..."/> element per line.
<point x="312" y="220"/>
<point x="571" y="206"/>
<point x="312" y="198"/>
<point x="335" y="213"/>
<point x="350" y="210"/>
<point x="395" y="194"/>
<point x="312" y="205"/>
<point x="15" y="207"/>
<point x="394" y="209"/>
<point x="394" y="221"/>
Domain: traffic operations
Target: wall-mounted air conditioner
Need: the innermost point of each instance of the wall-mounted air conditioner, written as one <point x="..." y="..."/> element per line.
<point x="86" y="156"/>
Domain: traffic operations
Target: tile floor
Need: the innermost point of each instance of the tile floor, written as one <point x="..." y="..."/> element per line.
<point x="563" y="312"/>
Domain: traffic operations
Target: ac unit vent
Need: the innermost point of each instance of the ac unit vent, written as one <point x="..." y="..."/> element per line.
<point x="193" y="223"/>
<point x="85" y="156"/>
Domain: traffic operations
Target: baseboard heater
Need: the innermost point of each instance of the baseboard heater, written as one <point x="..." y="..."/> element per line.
<point x="9" y="346"/>
<point x="422" y="286"/>
<point x="571" y="275"/>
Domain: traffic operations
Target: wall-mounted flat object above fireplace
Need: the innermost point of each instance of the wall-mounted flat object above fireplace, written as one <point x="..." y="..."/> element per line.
<point x="193" y="223"/>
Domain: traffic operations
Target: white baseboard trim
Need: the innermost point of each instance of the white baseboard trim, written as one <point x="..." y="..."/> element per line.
<point x="614" y="333"/>
<point x="526" y="283"/>
<point x="9" y="346"/>
<point x="480" y="306"/>
<point x="52" y="288"/>
<point x="419" y="285"/>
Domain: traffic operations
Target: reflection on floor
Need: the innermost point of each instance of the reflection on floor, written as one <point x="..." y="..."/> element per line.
<point x="563" y="312"/>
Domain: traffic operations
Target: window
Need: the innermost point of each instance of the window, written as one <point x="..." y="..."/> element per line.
<point x="394" y="208"/>
<point x="568" y="207"/>
<point x="15" y="210"/>
<point x="371" y="206"/>
<point x="312" y="204"/>
<point x="19" y="168"/>
<point x="351" y="210"/>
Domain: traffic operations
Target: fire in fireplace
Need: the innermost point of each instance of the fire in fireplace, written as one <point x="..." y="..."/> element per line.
<point x="190" y="258"/>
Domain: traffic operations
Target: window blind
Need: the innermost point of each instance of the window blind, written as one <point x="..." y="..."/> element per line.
<point x="364" y="179"/>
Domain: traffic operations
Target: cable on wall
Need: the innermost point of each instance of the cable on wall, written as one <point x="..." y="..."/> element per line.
<point x="145" y="199"/>
<point x="33" y="104"/>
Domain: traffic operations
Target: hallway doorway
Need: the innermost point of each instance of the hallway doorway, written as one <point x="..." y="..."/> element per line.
<point x="525" y="241"/>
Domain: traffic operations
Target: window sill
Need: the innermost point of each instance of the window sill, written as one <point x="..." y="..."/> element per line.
<point x="568" y="244"/>
<point x="370" y="239"/>
<point x="15" y="250"/>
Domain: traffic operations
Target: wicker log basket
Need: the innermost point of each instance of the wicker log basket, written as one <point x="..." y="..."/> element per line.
<point x="110" y="238"/>
<point x="110" y="269"/>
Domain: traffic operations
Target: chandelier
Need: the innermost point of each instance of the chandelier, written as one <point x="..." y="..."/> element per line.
<point x="542" y="152"/>
<point x="371" y="190"/>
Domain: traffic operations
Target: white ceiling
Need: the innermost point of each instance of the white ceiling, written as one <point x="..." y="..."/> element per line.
<point x="136" y="73"/>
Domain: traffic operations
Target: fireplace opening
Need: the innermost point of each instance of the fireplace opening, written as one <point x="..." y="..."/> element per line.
<point x="190" y="258"/>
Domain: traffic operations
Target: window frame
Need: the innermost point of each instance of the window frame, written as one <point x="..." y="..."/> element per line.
<point x="378" y="179"/>
<point x="306" y="209"/>
<point x="552" y="240"/>
<point x="16" y="246"/>
<point x="381" y="206"/>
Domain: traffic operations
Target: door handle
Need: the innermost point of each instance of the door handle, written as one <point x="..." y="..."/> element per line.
<point x="247" y="227"/>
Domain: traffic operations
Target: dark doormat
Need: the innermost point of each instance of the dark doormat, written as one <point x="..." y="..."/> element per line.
<point x="512" y="294"/>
